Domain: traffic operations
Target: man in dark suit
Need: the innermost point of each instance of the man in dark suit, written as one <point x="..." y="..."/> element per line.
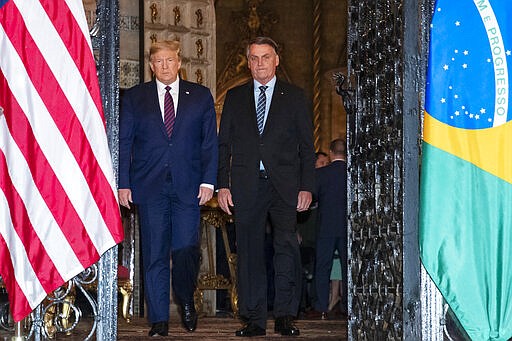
<point x="331" y="234"/>
<point x="168" y="166"/>
<point x="266" y="169"/>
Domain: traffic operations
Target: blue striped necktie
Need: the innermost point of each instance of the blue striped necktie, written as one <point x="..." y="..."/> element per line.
<point x="169" y="115"/>
<point x="260" y="107"/>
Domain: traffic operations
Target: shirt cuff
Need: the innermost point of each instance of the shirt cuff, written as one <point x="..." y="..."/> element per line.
<point x="207" y="186"/>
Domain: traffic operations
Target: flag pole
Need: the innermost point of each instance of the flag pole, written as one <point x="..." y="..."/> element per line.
<point x="18" y="334"/>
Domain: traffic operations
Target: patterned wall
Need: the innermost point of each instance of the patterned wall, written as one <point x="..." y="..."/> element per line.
<point x="129" y="25"/>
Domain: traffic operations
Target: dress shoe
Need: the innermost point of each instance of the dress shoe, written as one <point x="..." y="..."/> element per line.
<point x="284" y="325"/>
<point x="189" y="317"/>
<point x="316" y="315"/>
<point x="159" y="329"/>
<point x="251" y="330"/>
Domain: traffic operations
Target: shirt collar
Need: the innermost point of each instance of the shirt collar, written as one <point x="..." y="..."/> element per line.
<point x="270" y="84"/>
<point x="175" y="86"/>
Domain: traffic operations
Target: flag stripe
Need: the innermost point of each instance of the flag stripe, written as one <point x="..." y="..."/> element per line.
<point x="55" y="159"/>
<point x="75" y="44"/>
<point x="73" y="80"/>
<point x="467" y="262"/>
<point x="37" y="173"/>
<point x="64" y="68"/>
<point x="7" y="268"/>
<point x="89" y="111"/>
<point x="469" y="145"/>
<point x="58" y="203"/>
<point x="20" y="226"/>
<point x="64" y="117"/>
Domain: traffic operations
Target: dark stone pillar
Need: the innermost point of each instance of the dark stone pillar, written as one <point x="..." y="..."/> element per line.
<point x="386" y="64"/>
<point x="106" y="41"/>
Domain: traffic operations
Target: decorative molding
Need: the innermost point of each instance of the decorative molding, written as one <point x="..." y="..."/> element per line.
<point x="129" y="73"/>
<point x="129" y="23"/>
<point x="193" y="24"/>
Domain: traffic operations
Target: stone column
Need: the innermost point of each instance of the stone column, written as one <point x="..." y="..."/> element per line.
<point x="384" y="101"/>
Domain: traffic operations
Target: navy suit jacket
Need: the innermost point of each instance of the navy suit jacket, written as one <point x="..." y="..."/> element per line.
<point x="147" y="155"/>
<point x="331" y="191"/>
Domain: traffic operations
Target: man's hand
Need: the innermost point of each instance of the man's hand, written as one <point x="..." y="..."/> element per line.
<point x="304" y="200"/>
<point x="205" y="194"/>
<point x="125" y="197"/>
<point x="225" y="200"/>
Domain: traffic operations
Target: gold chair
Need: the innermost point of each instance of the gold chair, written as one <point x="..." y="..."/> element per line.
<point x="213" y="216"/>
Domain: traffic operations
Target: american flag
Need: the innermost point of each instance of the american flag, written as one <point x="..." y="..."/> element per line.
<point x="58" y="204"/>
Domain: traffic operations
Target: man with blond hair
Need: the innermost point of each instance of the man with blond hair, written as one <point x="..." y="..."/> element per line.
<point x="167" y="166"/>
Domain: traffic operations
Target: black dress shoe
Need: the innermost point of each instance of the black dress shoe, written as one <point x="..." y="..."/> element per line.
<point x="284" y="326"/>
<point x="189" y="317"/>
<point x="251" y="330"/>
<point x="159" y="329"/>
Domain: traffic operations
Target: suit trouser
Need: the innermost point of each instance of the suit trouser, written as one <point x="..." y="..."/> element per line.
<point x="250" y="236"/>
<point x="325" y="247"/>
<point x="169" y="228"/>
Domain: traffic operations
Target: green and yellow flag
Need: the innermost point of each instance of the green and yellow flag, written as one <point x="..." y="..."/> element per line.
<point x="466" y="180"/>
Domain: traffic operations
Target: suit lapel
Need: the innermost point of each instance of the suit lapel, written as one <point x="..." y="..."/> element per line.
<point x="183" y="97"/>
<point x="252" y="112"/>
<point x="153" y="106"/>
<point x="276" y="103"/>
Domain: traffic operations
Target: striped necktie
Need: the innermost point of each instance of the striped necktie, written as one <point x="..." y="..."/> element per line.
<point x="169" y="115"/>
<point x="260" y="107"/>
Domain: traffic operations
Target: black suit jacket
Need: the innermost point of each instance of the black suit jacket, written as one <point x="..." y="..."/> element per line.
<point x="331" y="183"/>
<point x="285" y="146"/>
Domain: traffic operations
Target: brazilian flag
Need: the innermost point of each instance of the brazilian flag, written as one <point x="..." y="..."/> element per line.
<point x="466" y="175"/>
